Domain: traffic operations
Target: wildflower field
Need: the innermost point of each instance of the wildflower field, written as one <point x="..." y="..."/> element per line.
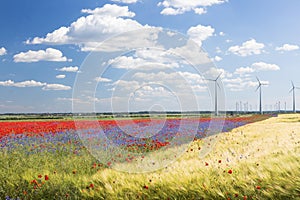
<point x="47" y="160"/>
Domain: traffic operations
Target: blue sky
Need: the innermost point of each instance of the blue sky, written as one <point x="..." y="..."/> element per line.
<point x="44" y="46"/>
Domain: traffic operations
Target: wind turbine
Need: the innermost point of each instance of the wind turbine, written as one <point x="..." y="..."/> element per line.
<point x="259" y="87"/>
<point x="216" y="93"/>
<point x="294" y="100"/>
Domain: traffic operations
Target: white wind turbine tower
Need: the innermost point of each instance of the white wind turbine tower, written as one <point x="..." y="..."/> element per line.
<point x="216" y="93"/>
<point x="294" y="99"/>
<point x="259" y="87"/>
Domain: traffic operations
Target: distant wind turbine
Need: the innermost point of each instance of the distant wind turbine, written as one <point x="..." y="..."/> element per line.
<point x="216" y="93"/>
<point x="294" y="99"/>
<point x="259" y="87"/>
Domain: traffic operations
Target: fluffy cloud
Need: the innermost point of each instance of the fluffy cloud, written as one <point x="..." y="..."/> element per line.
<point x="217" y="58"/>
<point x="222" y="34"/>
<point x="30" y="83"/>
<point x="69" y="69"/>
<point x="239" y="84"/>
<point x="256" y="67"/>
<point x="179" y="81"/>
<point x="49" y="54"/>
<point x="248" y="48"/>
<point x="61" y="76"/>
<point x="176" y="7"/>
<point x="244" y="70"/>
<point x="101" y="79"/>
<point x="56" y="87"/>
<point x="213" y="73"/>
<point x="88" y="32"/>
<point x="200" y="11"/>
<point x="200" y="33"/>
<point x="2" y="51"/>
<point x="171" y="11"/>
<point x="287" y="47"/>
<point x="33" y="83"/>
<point x="109" y="10"/>
<point x="125" y="1"/>
<point x="261" y="66"/>
<point x="130" y="62"/>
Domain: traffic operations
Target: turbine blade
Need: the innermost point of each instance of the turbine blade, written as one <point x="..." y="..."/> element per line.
<point x="257" y="79"/>
<point x="219" y="76"/>
<point x="291" y="90"/>
<point x="218" y="85"/>
<point x="293" y="84"/>
<point x="258" y="87"/>
<point x="209" y="79"/>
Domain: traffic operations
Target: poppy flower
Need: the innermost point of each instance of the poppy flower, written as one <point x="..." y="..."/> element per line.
<point x="92" y="185"/>
<point x="46" y="177"/>
<point x="40" y="176"/>
<point x="230" y="171"/>
<point x="146" y="187"/>
<point x="206" y="164"/>
<point x="258" y="187"/>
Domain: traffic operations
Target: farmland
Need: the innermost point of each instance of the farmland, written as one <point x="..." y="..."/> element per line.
<point x="49" y="159"/>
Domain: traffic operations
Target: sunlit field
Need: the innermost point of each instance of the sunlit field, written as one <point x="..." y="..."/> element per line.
<point x="255" y="157"/>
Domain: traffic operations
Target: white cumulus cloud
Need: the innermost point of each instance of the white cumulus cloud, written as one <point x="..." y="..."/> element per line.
<point x="61" y="76"/>
<point x="125" y="1"/>
<point x="56" y="87"/>
<point x="244" y="70"/>
<point x="176" y="7"/>
<point x="262" y="66"/>
<point x="3" y="51"/>
<point x="287" y="47"/>
<point x="101" y="79"/>
<point x="88" y="32"/>
<point x="248" y="48"/>
<point x="30" y="83"/>
<point x="69" y="69"/>
<point x="33" y="83"/>
<point x="49" y="54"/>
<point x="217" y="58"/>
<point x="109" y="10"/>
<point x="200" y="33"/>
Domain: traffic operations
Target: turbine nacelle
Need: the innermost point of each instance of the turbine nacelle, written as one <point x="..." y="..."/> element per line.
<point x="215" y="80"/>
<point x="260" y="84"/>
<point x="293" y="87"/>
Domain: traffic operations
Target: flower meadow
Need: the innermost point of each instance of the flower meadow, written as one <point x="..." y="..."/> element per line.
<point x="55" y="160"/>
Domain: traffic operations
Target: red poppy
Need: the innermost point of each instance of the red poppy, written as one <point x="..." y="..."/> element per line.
<point x="230" y="171"/>
<point x="258" y="187"/>
<point x="46" y="177"/>
<point x="146" y="187"/>
<point x="92" y="185"/>
<point x="206" y="164"/>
